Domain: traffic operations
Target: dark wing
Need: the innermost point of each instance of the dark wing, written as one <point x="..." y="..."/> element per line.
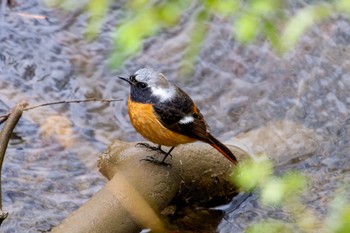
<point x="171" y="113"/>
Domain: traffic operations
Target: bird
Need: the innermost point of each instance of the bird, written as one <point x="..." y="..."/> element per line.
<point x="166" y="115"/>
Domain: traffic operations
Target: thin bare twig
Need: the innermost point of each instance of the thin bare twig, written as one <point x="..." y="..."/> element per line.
<point x="73" y="101"/>
<point x="4" y="117"/>
<point x="31" y="16"/>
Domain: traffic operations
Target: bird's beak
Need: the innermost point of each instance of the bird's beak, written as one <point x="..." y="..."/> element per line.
<point x="126" y="80"/>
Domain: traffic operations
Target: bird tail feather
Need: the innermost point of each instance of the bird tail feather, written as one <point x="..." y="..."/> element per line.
<point x="222" y="148"/>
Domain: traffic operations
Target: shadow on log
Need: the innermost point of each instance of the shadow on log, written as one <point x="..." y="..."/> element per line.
<point x="140" y="193"/>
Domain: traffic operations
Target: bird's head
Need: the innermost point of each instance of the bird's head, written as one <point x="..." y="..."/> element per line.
<point x="148" y="85"/>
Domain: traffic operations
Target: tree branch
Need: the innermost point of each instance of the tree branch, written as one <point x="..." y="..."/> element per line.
<point x="5" y="135"/>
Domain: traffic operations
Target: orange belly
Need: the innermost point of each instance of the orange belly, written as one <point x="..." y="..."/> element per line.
<point x="146" y="123"/>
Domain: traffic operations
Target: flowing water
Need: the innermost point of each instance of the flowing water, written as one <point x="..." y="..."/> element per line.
<point x="50" y="166"/>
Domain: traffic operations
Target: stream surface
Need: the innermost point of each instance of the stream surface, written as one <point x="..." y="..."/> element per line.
<point x="50" y="167"/>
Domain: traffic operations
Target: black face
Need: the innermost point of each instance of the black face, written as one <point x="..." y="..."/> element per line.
<point x="138" y="84"/>
<point x="139" y="91"/>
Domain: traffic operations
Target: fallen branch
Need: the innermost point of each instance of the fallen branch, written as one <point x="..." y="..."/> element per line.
<point x="5" y="135"/>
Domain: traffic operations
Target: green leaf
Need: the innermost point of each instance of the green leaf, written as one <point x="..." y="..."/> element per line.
<point x="168" y="14"/>
<point x="269" y="226"/>
<point x="294" y="184"/>
<point x="129" y="36"/>
<point x="278" y="190"/>
<point x="272" y="34"/>
<point x="303" y="20"/>
<point x="343" y="6"/>
<point x="273" y="191"/>
<point x="264" y="7"/>
<point x="344" y="221"/>
<point x="137" y="4"/>
<point x="247" y="27"/>
<point x="65" y="4"/>
<point x="338" y="220"/>
<point x="223" y="7"/>
<point x="97" y="10"/>
<point x="249" y="174"/>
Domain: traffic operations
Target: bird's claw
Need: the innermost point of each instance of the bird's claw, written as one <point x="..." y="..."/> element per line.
<point x="152" y="159"/>
<point x="148" y="146"/>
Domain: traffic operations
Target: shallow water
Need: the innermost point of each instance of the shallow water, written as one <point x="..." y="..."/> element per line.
<point x="50" y="167"/>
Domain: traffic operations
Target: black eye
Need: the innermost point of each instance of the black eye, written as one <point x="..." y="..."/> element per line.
<point x="142" y="85"/>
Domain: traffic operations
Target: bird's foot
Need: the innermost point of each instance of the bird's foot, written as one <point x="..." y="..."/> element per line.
<point x="152" y="159"/>
<point x="158" y="149"/>
<point x="149" y="147"/>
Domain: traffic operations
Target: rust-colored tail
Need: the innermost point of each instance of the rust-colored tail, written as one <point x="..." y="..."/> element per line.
<point x="222" y="148"/>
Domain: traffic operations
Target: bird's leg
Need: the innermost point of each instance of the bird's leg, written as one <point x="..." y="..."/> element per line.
<point x="159" y="162"/>
<point x="167" y="154"/>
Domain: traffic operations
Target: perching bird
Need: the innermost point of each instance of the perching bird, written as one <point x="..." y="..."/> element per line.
<point x="165" y="115"/>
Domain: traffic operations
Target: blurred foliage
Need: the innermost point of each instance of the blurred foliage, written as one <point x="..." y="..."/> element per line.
<point x="286" y="192"/>
<point x="252" y="174"/>
<point x="269" y="19"/>
<point x="339" y="216"/>
<point x="270" y="226"/>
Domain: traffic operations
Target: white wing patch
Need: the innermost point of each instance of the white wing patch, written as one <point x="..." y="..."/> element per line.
<point x="186" y="120"/>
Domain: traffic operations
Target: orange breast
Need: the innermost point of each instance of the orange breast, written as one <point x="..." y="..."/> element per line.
<point x="146" y="123"/>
